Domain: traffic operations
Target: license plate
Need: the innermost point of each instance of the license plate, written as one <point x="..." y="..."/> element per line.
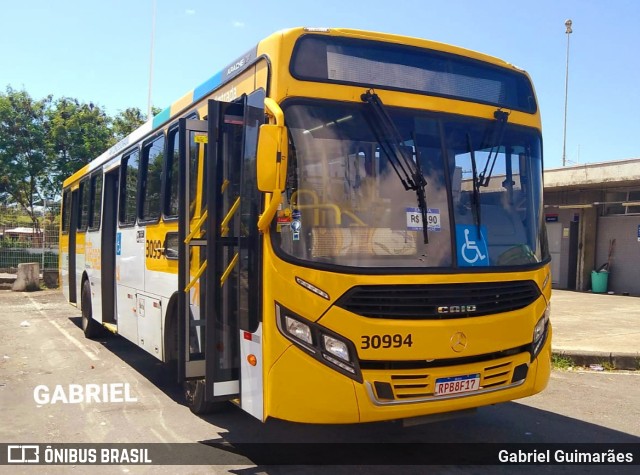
<point x="457" y="384"/>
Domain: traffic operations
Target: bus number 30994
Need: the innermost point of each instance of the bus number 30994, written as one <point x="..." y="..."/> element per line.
<point x="385" y="341"/>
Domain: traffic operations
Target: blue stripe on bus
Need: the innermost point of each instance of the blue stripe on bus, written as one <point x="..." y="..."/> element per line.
<point x="161" y="118"/>
<point x="198" y="93"/>
<point x="207" y="86"/>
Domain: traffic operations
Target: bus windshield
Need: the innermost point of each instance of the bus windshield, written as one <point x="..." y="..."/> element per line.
<point x="345" y="205"/>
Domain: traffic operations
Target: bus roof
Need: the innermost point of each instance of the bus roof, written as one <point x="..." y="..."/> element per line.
<point x="240" y="64"/>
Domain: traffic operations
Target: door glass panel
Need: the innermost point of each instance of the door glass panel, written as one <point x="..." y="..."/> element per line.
<point x="249" y="263"/>
<point x="229" y="184"/>
<point x="197" y="140"/>
<point x="197" y="294"/>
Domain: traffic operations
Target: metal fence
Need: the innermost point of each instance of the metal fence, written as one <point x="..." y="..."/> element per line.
<point x="21" y="243"/>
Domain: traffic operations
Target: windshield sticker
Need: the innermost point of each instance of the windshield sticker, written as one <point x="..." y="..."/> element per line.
<point x="472" y="250"/>
<point x="283" y="218"/>
<point x="414" y="219"/>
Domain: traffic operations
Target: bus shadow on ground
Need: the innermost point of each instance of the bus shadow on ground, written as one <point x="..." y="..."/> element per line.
<point x="149" y="367"/>
<point x="383" y="443"/>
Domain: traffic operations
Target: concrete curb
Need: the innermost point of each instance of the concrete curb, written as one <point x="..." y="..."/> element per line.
<point x="626" y="361"/>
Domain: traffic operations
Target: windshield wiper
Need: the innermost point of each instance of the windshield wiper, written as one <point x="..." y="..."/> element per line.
<point x="483" y="178"/>
<point x="476" y="184"/>
<point x="391" y="143"/>
<point x="495" y="143"/>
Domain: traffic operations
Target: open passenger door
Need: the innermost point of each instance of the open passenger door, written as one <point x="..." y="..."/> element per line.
<point x="219" y="255"/>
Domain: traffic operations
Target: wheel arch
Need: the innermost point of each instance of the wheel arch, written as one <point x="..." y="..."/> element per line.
<point x="170" y="326"/>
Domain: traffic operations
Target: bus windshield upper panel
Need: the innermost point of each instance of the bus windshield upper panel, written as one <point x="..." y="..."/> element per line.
<point x="418" y="70"/>
<point x="345" y="204"/>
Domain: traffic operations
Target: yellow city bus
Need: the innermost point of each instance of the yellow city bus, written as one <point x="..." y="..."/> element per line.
<point x="341" y="226"/>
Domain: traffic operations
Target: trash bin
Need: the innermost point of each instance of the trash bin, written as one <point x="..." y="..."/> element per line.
<point x="599" y="281"/>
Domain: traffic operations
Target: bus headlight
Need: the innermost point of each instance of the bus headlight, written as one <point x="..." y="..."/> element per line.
<point x="540" y="333"/>
<point x="298" y="329"/>
<point x="336" y="347"/>
<point x="325" y="345"/>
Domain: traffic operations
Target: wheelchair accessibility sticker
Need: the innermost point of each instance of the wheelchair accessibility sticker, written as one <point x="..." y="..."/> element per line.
<point x="118" y="244"/>
<point x="472" y="250"/>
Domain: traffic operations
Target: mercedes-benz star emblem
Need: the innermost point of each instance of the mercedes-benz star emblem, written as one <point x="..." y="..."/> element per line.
<point x="458" y="342"/>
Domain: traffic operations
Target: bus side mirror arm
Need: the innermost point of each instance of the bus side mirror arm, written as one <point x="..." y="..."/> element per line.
<point x="270" y="212"/>
<point x="271" y="161"/>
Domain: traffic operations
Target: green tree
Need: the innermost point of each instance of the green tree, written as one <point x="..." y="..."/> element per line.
<point x="23" y="149"/>
<point x="129" y="120"/>
<point x="78" y="133"/>
<point x="42" y="142"/>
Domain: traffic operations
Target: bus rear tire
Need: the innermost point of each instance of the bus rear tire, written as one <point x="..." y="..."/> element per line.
<point x="194" y="395"/>
<point x="90" y="327"/>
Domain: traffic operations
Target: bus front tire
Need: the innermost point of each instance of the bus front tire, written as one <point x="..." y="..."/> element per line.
<point x="90" y="327"/>
<point x="194" y="395"/>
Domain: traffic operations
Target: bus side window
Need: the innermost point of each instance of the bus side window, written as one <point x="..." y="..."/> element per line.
<point x="85" y="198"/>
<point x="170" y="206"/>
<point x="151" y="177"/>
<point x="129" y="189"/>
<point x="96" y="201"/>
<point x="66" y="211"/>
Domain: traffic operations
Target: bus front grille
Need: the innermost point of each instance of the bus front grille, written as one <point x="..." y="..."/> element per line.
<point x="412" y="386"/>
<point x="438" y="301"/>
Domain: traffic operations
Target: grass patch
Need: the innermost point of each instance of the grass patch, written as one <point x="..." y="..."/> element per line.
<point x="561" y="361"/>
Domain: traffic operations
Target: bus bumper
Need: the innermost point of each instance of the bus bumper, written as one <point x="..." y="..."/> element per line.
<point x="300" y="389"/>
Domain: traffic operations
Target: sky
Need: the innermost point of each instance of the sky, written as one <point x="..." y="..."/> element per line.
<point x="99" y="51"/>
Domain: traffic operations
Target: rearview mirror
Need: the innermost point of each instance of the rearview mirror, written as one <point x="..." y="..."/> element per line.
<point x="271" y="158"/>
